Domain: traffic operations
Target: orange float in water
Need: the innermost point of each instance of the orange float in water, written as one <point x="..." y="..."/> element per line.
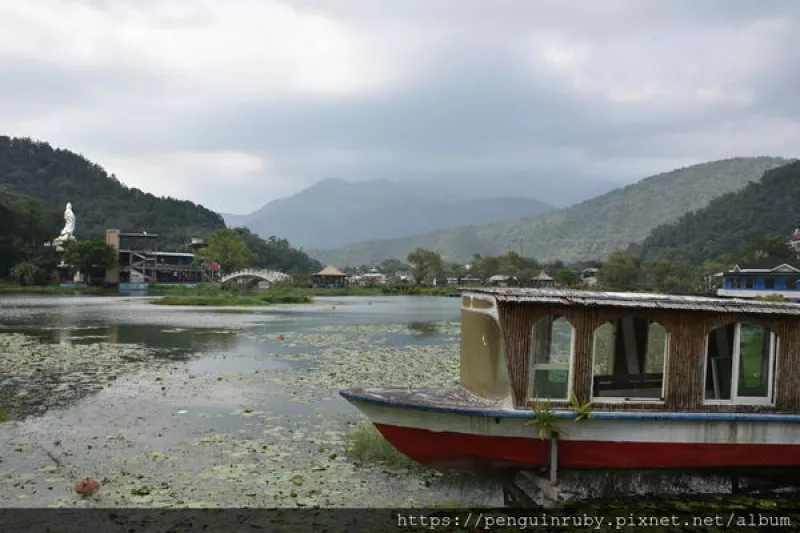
<point x="87" y="486"/>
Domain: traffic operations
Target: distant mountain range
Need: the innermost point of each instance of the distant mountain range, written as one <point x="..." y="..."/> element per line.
<point x="335" y="212"/>
<point x="557" y="188"/>
<point x="589" y="230"/>
<point x="53" y="177"/>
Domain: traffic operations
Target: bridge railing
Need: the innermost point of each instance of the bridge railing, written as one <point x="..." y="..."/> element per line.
<point x="267" y="275"/>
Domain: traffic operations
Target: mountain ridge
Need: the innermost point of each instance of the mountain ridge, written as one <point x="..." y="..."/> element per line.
<point x="769" y="207"/>
<point x="586" y="231"/>
<point x="335" y="212"/>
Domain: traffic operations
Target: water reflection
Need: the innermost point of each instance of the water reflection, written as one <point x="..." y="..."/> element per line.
<point x="213" y="341"/>
<point x="424" y="328"/>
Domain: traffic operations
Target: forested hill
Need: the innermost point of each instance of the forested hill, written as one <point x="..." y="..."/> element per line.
<point x="586" y="231"/>
<point x="770" y="207"/>
<point x="54" y="177"/>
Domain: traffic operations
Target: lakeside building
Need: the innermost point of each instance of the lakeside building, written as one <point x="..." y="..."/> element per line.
<point x="330" y="277"/>
<point x="765" y="277"/>
<point x="140" y="263"/>
<point x="543" y="281"/>
<point x="370" y="279"/>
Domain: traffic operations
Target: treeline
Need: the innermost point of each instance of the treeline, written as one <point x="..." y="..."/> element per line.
<point x="425" y="266"/>
<point x="768" y="208"/>
<point x="625" y="270"/>
<point x="238" y="248"/>
<point x="37" y="171"/>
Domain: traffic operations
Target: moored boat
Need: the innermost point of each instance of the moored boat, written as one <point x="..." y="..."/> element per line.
<point x="605" y="381"/>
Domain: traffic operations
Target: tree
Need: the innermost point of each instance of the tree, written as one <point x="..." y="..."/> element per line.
<point x="390" y="266"/>
<point x="425" y="265"/>
<point x="670" y="276"/>
<point x="760" y="247"/>
<point x="565" y="277"/>
<point x="278" y="254"/>
<point x="88" y="256"/>
<point x="226" y="247"/>
<point x="26" y="273"/>
<point x="620" y="271"/>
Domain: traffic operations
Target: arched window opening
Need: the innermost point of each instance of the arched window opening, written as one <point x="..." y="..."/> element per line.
<point x="740" y="364"/>
<point x="551" y="354"/>
<point x="629" y="360"/>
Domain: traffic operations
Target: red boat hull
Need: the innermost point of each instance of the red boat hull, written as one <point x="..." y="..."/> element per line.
<point x="451" y="431"/>
<point x="463" y="452"/>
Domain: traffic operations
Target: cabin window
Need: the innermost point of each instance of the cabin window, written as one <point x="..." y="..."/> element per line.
<point x="551" y="354"/>
<point x="769" y="283"/>
<point x="740" y="364"/>
<point x="748" y="283"/>
<point x="629" y="358"/>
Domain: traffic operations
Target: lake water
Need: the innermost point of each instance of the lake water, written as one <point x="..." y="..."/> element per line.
<point x="174" y="406"/>
<point x="180" y="407"/>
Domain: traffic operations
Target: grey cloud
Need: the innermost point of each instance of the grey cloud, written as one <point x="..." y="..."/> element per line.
<point x="481" y="106"/>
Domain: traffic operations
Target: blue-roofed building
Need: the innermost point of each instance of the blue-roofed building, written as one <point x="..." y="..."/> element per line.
<point x="765" y="277"/>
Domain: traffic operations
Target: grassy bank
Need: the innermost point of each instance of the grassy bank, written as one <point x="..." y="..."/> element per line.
<point x="400" y="290"/>
<point x="214" y="290"/>
<point x="226" y="299"/>
<point x="14" y="288"/>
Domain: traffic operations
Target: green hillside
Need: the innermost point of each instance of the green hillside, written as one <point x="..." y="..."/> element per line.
<point x="589" y="230"/>
<point x="769" y="208"/>
<point x="35" y="170"/>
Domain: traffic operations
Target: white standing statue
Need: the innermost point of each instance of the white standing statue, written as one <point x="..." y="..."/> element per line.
<point x="69" y="225"/>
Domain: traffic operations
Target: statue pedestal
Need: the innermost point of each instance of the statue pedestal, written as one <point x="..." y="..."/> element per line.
<point x="58" y="243"/>
<point x="62" y="271"/>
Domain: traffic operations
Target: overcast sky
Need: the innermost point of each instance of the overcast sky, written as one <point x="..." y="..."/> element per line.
<point x="232" y="104"/>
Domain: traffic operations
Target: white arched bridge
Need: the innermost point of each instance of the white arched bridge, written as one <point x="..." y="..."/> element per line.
<point x="270" y="276"/>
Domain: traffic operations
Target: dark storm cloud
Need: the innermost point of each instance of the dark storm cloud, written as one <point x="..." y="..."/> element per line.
<point x="613" y="90"/>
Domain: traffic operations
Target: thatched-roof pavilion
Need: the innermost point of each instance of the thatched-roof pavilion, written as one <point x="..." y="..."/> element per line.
<point x="543" y="280"/>
<point x="330" y="277"/>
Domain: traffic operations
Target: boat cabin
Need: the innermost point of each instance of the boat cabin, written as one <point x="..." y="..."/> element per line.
<point x="630" y="351"/>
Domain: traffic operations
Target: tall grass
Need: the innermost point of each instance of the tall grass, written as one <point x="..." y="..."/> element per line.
<point x="365" y="443"/>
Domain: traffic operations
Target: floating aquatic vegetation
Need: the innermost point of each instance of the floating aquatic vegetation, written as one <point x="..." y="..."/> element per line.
<point x="37" y="376"/>
<point x="268" y="454"/>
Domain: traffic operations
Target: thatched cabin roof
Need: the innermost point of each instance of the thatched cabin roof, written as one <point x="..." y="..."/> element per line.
<point x="637" y="300"/>
<point x="330" y="270"/>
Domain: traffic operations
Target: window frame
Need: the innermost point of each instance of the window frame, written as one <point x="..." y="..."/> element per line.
<point x="772" y="368"/>
<point x="532" y="367"/>
<point x="665" y="375"/>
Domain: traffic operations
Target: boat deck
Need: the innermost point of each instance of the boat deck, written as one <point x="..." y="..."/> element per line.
<point x="454" y="398"/>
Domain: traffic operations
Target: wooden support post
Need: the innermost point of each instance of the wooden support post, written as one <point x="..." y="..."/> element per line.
<point x="550" y="495"/>
<point x="554" y="458"/>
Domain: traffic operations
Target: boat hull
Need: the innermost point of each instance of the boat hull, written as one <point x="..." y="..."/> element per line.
<point x="466" y="440"/>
